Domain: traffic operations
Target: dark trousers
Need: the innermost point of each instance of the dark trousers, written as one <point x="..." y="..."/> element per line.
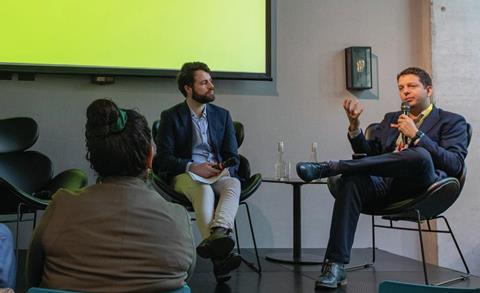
<point x="375" y="180"/>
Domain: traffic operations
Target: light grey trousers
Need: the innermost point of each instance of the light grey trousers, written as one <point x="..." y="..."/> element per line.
<point x="202" y="196"/>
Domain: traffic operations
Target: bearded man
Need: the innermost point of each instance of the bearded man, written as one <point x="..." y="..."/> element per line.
<point x="196" y="136"/>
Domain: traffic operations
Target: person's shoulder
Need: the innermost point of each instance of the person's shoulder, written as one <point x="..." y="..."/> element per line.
<point x="175" y="109"/>
<point x="217" y="108"/>
<point x="62" y="195"/>
<point x="218" y="112"/>
<point x="449" y="115"/>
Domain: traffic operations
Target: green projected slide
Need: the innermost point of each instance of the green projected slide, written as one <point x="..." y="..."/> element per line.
<point x="229" y="35"/>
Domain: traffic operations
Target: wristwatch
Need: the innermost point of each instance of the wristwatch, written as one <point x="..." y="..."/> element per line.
<point x="417" y="136"/>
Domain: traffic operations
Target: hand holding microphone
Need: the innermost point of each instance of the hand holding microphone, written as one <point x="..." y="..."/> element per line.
<point x="405" y="111"/>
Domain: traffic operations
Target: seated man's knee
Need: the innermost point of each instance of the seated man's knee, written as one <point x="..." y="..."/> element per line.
<point x="235" y="184"/>
<point x="420" y="157"/>
<point x="339" y="184"/>
<point x="334" y="183"/>
<point x="232" y="187"/>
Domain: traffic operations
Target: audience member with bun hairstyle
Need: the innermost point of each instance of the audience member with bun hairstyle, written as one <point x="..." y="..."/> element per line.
<point x="118" y="235"/>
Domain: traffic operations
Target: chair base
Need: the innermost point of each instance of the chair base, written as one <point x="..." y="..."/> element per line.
<point x="454" y="280"/>
<point x="359" y="267"/>
<point x="291" y="258"/>
<point x="419" y="229"/>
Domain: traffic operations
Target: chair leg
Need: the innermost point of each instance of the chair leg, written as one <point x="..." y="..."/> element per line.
<point x="462" y="277"/>
<point x="236" y="236"/>
<point x="34" y="220"/>
<point x="421" y="246"/>
<point x="456" y="244"/>
<point x="19" y="215"/>
<point x="258" y="269"/>
<point x="373" y="239"/>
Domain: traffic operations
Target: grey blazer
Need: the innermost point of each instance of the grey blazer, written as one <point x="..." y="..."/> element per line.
<point x="117" y="236"/>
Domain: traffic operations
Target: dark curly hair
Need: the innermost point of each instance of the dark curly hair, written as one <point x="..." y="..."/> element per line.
<point x="114" y="151"/>
<point x="424" y="77"/>
<point x="185" y="76"/>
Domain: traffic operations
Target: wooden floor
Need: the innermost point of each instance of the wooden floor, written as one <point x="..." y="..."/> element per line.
<point x="283" y="278"/>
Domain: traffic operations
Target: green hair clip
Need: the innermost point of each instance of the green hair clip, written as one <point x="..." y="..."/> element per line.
<point x="121" y="121"/>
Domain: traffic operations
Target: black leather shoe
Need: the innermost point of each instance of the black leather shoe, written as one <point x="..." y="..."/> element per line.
<point x="309" y="171"/>
<point x="333" y="274"/>
<point x="223" y="267"/>
<point x="218" y="245"/>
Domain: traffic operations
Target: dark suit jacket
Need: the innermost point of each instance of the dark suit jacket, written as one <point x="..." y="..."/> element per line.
<point x="445" y="139"/>
<point x="174" y="139"/>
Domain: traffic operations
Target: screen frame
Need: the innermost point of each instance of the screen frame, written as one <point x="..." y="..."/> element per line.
<point x="9" y="68"/>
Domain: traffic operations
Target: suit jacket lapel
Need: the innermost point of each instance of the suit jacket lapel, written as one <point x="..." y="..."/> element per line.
<point x="212" y="128"/>
<point x="392" y="133"/>
<point x="186" y="123"/>
<point x="430" y="120"/>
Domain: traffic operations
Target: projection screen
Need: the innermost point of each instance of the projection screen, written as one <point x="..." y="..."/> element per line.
<point x="141" y="37"/>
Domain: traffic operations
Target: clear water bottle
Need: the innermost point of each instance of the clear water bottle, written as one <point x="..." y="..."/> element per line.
<point x="282" y="168"/>
<point x="313" y="153"/>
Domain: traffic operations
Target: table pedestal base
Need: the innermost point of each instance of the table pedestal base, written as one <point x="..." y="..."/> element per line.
<point x="304" y="259"/>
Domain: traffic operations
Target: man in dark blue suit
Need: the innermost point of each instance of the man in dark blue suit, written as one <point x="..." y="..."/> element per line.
<point x="194" y="138"/>
<point x="413" y="150"/>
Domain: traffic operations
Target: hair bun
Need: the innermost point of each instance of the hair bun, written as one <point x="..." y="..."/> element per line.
<point x="102" y="116"/>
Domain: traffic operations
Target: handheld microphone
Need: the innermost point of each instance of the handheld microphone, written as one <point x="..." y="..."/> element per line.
<point x="232" y="161"/>
<point x="405" y="108"/>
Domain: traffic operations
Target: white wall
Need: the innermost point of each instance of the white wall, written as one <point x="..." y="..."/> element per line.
<point x="301" y="106"/>
<point x="455" y="61"/>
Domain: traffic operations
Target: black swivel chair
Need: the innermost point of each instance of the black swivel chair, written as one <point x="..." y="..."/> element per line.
<point x="26" y="182"/>
<point x="423" y="208"/>
<point x="250" y="184"/>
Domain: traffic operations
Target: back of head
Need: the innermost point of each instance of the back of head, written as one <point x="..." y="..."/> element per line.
<point x="186" y="74"/>
<point x="118" y="141"/>
<point x="423" y="76"/>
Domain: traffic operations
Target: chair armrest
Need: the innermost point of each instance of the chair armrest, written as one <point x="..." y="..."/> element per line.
<point x="72" y="179"/>
<point x="23" y="197"/>
<point x="357" y="156"/>
<point x="167" y="192"/>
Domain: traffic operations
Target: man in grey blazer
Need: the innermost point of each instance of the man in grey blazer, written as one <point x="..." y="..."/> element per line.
<point x="194" y="138"/>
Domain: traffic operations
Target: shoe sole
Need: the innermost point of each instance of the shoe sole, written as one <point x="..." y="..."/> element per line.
<point x="218" y="248"/>
<point x="325" y="286"/>
<point x="232" y="265"/>
<point x="203" y="252"/>
<point x="223" y="279"/>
